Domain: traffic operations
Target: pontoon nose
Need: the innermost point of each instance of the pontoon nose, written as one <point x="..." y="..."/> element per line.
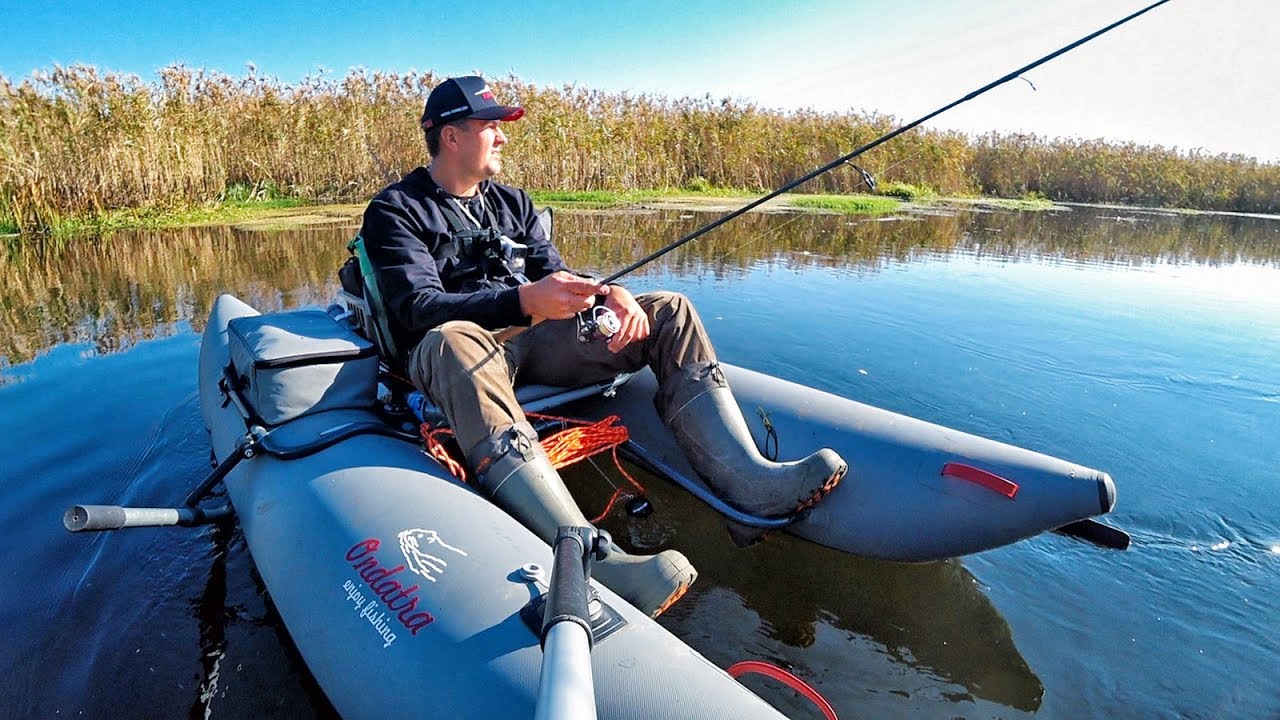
<point x="1106" y="492"/>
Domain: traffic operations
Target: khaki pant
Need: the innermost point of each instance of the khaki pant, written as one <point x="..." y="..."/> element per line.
<point x="469" y="374"/>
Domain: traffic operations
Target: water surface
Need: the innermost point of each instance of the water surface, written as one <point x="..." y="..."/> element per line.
<point x="1144" y="344"/>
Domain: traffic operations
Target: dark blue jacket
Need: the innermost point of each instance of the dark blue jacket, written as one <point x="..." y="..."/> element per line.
<point x="408" y="239"/>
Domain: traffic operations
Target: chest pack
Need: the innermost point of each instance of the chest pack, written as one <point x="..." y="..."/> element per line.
<point x="478" y="255"/>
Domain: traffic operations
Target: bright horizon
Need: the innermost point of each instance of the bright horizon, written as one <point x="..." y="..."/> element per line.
<point x="1191" y="74"/>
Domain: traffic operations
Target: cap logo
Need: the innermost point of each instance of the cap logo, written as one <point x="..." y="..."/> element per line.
<point x="454" y="111"/>
<point x="485" y="93"/>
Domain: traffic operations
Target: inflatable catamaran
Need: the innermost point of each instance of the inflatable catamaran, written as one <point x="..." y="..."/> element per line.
<point x="369" y="545"/>
<point x="370" y="548"/>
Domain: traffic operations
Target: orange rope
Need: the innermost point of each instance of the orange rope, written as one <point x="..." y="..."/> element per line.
<point x="617" y="495"/>
<point x="437" y="450"/>
<point x="584" y="440"/>
<point x="579" y="441"/>
<point x="575" y="443"/>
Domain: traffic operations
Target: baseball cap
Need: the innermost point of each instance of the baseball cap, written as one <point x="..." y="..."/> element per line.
<point x="465" y="97"/>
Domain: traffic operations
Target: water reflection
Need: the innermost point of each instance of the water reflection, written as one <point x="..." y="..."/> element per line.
<point x="115" y="292"/>
<point x="854" y="626"/>
<point x="213" y="614"/>
<point x="112" y="293"/>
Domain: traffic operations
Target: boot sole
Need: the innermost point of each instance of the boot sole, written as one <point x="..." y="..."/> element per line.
<point x="684" y="575"/>
<point x="681" y="589"/>
<point x="746" y="535"/>
<point x="655" y="585"/>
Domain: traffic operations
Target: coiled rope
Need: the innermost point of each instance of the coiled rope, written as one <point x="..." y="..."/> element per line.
<point x="580" y="439"/>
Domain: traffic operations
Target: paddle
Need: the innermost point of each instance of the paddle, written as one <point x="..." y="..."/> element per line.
<point x="1097" y="533"/>
<point x="565" y="688"/>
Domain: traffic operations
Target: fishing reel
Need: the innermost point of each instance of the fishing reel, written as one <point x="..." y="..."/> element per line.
<point x="597" y="323"/>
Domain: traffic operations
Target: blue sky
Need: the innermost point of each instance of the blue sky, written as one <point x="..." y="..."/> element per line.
<point x="1191" y="74"/>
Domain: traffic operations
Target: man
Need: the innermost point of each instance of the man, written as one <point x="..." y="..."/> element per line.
<point x="441" y="241"/>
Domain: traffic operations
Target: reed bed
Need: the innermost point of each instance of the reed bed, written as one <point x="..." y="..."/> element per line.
<point x="78" y="142"/>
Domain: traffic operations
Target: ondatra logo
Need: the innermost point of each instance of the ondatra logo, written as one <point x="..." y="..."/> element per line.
<point x="415" y="543"/>
<point x="394" y="598"/>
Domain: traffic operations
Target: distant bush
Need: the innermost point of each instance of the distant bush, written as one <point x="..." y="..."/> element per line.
<point x="699" y="184"/>
<point x="907" y="191"/>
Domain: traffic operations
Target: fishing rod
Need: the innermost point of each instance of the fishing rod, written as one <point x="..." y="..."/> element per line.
<point x="873" y="144"/>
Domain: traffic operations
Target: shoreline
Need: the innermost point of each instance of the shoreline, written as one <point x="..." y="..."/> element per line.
<point x="272" y="217"/>
<point x="279" y="219"/>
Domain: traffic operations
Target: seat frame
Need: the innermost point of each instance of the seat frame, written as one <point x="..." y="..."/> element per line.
<point x="367" y="316"/>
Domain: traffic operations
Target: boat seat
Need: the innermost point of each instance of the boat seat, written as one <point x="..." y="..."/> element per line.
<point x="535" y="398"/>
<point x="366" y="314"/>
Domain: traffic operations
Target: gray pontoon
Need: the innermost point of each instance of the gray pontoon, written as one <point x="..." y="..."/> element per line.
<point x="400" y="584"/>
<point x="403" y="588"/>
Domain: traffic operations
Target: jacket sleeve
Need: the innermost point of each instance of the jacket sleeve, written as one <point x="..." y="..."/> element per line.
<point x="399" y="248"/>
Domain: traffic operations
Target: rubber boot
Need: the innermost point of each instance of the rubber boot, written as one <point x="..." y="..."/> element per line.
<point x="708" y="426"/>
<point x="514" y="471"/>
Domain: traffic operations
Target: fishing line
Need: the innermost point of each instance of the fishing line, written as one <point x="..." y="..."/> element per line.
<point x="874" y="143"/>
<point x="724" y="256"/>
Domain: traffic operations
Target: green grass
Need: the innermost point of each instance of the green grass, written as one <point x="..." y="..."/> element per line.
<point x="240" y="201"/>
<point x="8" y="221"/>
<point x="242" y="193"/>
<point x="847" y="204"/>
<point x="154" y="218"/>
<point x="1030" y="203"/>
<point x="595" y="197"/>
<point x="702" y="186"/>
<point x="613" y="198"/>
<point x="692" y="191"/>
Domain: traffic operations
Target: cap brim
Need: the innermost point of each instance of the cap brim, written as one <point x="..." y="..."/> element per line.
<point x="504" y="113"/>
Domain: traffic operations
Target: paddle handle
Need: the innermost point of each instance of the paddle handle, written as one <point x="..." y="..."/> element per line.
<point x="566" y="690"/>
<point x="92" y="518"/>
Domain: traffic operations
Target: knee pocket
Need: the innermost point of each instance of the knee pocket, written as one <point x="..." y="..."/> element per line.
<point x="669" y="304"/>
<point x="460" y="340"/>
<point x="458" y="332"/>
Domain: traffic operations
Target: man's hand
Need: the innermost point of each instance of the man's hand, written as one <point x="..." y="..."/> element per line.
<point x="560" y="296"/>
<point x="635" y="324"/>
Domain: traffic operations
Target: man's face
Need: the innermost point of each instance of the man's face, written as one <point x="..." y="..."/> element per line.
<point x="479" y="146"/>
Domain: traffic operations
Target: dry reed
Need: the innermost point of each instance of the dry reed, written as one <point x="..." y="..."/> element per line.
<point x="78" y="142"/>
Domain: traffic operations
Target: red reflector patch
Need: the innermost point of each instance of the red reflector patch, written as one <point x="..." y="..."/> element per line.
<point x="988" y="480"/>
